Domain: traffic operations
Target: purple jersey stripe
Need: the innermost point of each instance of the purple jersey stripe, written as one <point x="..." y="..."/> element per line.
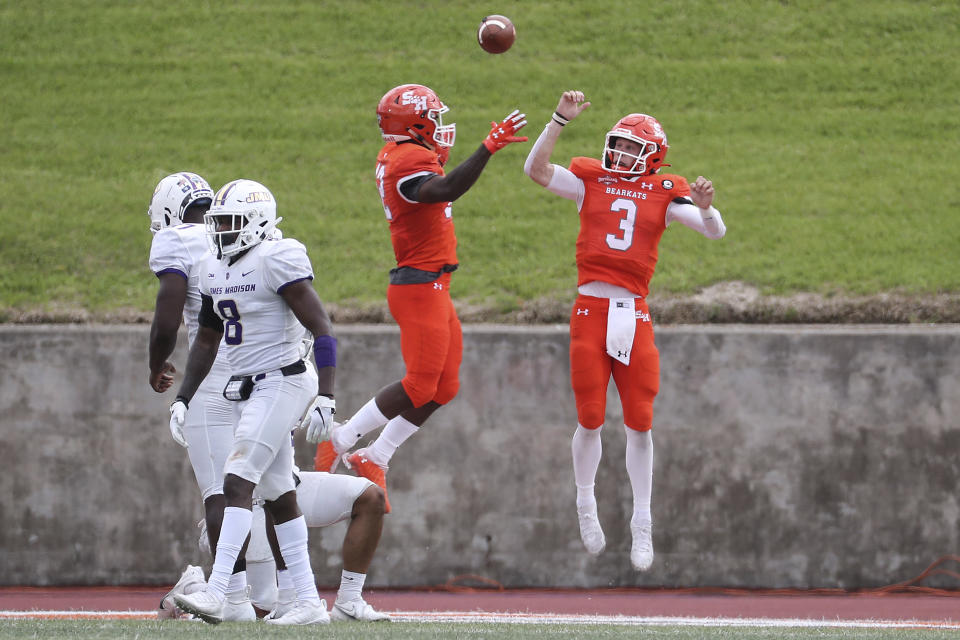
<point x="284" y="286"/>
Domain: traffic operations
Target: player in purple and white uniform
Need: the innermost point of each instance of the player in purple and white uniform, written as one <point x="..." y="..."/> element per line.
<point x="177" y="254"/>
<point x="257" y="297"/>
<point x="325" y="499"/>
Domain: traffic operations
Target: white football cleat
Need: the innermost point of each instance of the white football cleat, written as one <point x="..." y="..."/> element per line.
<point x="304" y="612"/>
<point x="238" y="608"/>
<point x="286" y="598"/>
<point x="641" y="553"/>
<point x="358" y="610"/>
<point x="202" y="604"/>
<point x="190" y="581"/>
<point x="590" y="531"/>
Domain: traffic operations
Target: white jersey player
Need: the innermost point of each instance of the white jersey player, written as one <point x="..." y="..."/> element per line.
<point x="177" y="255"/>
<point x="257" y="297"/>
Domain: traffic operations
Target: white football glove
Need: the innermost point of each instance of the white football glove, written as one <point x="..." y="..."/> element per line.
<point x="178" y="413"/>
<point x="318" y="420"/>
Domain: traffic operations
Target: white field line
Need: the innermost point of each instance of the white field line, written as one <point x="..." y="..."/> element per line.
<point x="545" y="618"/>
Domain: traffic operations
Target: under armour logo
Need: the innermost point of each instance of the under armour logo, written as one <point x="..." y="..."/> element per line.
<point x="646" y="185"/>
<point x="437" y="285"/>
<point x="583" y="312"/>
<point x="621" y="354"/>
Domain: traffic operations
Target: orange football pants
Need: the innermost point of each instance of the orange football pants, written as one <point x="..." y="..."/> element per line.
<point x="431" y="339"/>
<point x="591" y="367"/>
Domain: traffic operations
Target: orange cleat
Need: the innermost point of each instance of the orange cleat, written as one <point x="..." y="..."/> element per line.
<point x="326" y="458"/>
<point x="370" y="470"/>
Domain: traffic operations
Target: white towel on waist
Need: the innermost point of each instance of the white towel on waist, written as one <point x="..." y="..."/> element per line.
<point x="621" y="325"/>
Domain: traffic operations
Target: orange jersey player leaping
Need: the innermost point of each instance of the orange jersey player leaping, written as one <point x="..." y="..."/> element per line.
<point x="625" y="206"/>
<point x="417" y="199"/>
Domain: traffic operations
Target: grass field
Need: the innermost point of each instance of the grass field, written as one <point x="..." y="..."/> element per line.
<point x="829" y="128"/>
<point x="20" y="629"/>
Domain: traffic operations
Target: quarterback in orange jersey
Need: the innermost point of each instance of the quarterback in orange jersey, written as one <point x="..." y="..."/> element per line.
<point x="625" y="206"/>
<point x="417" y="199"/>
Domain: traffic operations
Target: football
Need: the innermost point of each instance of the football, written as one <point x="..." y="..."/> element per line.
<point x="496" y="34"/>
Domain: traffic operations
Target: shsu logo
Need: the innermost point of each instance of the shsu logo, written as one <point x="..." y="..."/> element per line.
<point x="409" y="97"/>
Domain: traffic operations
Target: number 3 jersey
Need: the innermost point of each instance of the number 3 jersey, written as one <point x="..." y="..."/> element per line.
<point x="621" y="223"/>
<point x="260" y="331"/>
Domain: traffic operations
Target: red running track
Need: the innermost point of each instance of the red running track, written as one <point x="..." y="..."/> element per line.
<point x="938" y="607"/>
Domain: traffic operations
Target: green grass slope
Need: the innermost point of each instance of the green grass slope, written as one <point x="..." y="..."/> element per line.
<point x="831" y="131"/>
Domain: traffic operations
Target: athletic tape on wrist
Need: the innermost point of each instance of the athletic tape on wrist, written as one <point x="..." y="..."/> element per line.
<point x="559" y="119"/>
<point x="325" y="351"/>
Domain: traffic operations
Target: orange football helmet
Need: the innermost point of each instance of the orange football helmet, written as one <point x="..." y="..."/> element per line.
<point x="646" y="132"/>
<point x="414" y="112"/>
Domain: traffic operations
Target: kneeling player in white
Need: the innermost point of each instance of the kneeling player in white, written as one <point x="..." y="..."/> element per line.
<point x="325" y="499"/>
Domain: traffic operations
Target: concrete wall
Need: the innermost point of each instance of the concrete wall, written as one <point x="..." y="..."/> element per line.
<point x="785" y="457"/>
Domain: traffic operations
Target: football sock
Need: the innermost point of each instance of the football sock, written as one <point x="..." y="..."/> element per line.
<point x="640" y="469"/>
<point x="351" y="586"/>
<point x="393" y="435"/>
<point x="238" y="582"/>
<point x="233" y="533"/>
<point x="292" y="538"/>
<point x="368" y="418"/>
<point x="284" y="581"/>
<point x="587" y="449"/>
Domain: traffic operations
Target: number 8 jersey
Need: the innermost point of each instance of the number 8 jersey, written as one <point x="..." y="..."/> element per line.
<point x="621" y="223"/>
<point x="260" y="331"/>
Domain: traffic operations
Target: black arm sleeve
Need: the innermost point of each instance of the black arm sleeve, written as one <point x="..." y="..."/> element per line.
<point x="208" y="317"/>
<point x="411" y="188"/>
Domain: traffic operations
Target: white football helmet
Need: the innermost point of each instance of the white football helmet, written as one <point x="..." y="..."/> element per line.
<point x="243" y="214"/>
<point x="173" y="195"/>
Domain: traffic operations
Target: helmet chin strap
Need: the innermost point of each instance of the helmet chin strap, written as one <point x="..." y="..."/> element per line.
<point x="416" y="137"/>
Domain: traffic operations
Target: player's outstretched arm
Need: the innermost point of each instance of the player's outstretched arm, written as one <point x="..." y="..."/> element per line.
<point x="538" y="165"/>
<point x="163" y="332"/>
<point x="456" y="183"/>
